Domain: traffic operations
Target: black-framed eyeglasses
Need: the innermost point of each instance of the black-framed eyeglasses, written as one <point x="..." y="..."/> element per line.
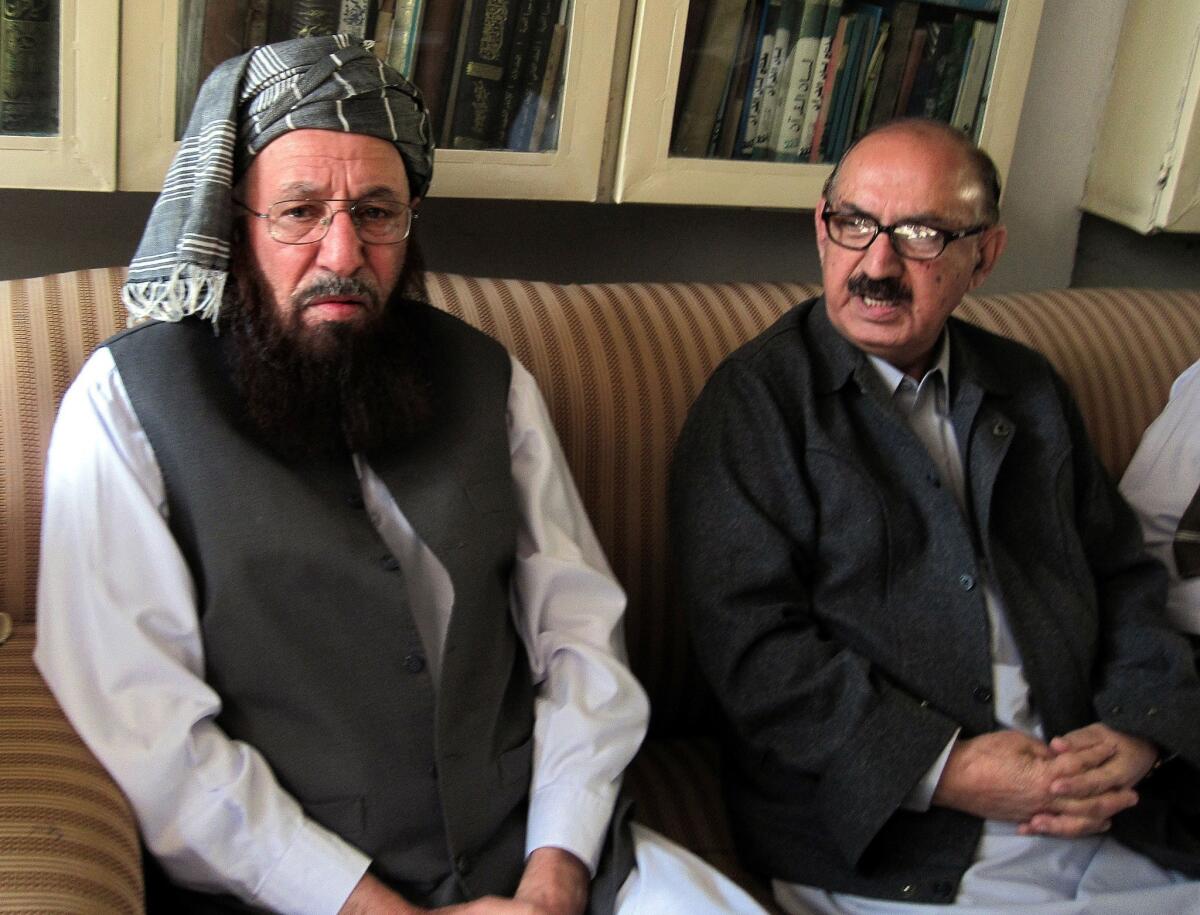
<point x="909" y="239"/>
<point x="377" y="220"/>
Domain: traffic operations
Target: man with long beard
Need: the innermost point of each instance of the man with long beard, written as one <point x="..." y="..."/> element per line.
<point x="316" y="587"/>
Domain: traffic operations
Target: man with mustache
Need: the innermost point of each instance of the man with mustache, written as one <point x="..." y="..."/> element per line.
<point x="316" y="586"/>
<point x="926" y="614"/>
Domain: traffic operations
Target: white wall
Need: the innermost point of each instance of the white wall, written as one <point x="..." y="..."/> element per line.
<point x="45" y="232"/>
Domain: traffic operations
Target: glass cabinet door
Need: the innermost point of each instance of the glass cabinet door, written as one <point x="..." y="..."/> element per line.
<point x="517" y="89"/>
<point x="58" y="93"/>
<point x="772" y="91"/>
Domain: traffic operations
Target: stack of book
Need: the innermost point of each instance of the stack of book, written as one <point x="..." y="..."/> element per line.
<point x="489" y="70"/>
<point x="799" y="80"/>
<point x="29" y="68"/>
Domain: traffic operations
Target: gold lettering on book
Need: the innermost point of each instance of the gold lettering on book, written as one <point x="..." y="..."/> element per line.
<point x="495" y="15"/>
<point x="485" y="71"/>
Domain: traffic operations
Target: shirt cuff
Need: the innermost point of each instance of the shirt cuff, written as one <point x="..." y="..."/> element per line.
<point x="316" y="874"/>
<point x="570" y="818"/>
<point x="921" y="796"/>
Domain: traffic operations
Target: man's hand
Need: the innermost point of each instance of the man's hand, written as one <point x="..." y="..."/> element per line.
<point x="1007" y="775"/>
<point x="1082" y="796"/>
<point x="555" y="882"/>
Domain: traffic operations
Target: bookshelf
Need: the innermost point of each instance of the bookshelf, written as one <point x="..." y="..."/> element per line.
<point x="650" y="170"/>
<point x="568" y="171"/>
<point x="1145" y="169"/>
<point x="76" y="150"/>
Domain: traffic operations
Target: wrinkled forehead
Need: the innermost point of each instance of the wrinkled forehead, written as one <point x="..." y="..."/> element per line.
<point x="911" y="175"/>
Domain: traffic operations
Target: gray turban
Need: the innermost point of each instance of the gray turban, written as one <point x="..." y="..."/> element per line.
<point x="329" y="82"/>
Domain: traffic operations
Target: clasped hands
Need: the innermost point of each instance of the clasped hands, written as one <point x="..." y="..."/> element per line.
<point x="554" y="882"/>
<point x="1072" y="786"/>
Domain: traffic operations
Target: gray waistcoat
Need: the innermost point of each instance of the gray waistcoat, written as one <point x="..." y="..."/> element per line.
<point x="307" y="632"/>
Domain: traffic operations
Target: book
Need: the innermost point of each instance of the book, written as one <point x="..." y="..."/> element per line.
<point x="789" y="11"/>
<point x="743" y="72"/>
<point x="435" y="56"/>
<point x="722" y="28"/>
<point x="837" y="63"/>
<point x="970" y="89"/>
<point x="187" y="67"/>
<point x="752" y="107"/>
<point x="903" y="24"/>
<point x="514" y="68"/>
<point x="916" y="52"/>
<point x="977" y="6"/>
<point x="488" y="27"/>
<point x="402" y="43"/>
<point x="812" y="107"/>
<point x="800" y="78"/>
<point x="872" y="20"/>
<point x="352" y="18"/>
<point x="29" y="68"/>
<point x="693" y="34"/>
<point x="258" y="17"/>
<point x="948" y="69"/>
<point x="383" y="28"/>
<point x="937" y="38"/>
<point x="529" y="94"/>
<point x="314" y="17"/>
<point x="544" y="134"/>
<point x="872" y="81"/>
<point x="845" y="86"/>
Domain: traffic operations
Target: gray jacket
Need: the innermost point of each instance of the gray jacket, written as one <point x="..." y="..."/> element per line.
<point x="832" y="587"/>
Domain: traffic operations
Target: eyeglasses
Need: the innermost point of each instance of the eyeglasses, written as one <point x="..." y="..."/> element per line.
<point x="909" y="239"/>
<point x="378" y="221"/>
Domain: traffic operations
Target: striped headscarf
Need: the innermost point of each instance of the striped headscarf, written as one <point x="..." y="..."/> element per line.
<point x="329" y="82"/>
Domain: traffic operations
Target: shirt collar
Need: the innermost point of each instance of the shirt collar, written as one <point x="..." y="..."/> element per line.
<point x="892" y="377"/>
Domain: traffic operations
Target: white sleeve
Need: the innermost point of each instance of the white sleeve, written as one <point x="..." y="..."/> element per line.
<point x="591" y="712"/>
<point x="120" y="646"/>
<point x="1160" y="482"/>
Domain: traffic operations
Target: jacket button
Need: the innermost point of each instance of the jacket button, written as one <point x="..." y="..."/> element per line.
<point x="355" y="500"/>
<point x="1001" y="429"/>
<point x="414" y="663"/>
<point x="966" y="582"/>
<point x="982" y="694"/>
<point x="462" y="864"/>
<point x="933" y="479"/>
<point x="389" y="563"/>
<point x="908" y="890"/>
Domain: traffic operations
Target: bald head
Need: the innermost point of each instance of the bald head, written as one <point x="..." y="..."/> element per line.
<point x="980" y="178"/>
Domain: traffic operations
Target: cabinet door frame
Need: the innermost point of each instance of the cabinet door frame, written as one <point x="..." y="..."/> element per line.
<point x="571" y="172"/>
<point x="82" y="156"/>
<point x="647" y="173"/>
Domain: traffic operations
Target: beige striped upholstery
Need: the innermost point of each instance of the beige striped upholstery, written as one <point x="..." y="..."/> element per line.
<point x="619" y="365"/>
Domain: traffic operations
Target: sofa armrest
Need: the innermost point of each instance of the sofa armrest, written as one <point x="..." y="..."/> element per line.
<point x="68" y="841"/>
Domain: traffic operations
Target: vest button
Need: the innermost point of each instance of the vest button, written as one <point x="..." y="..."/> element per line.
<point x="355" y="500"/>
<point x="982" y="694"/>
<point x="966" y="582"/>
<point x="414" y="663"/>
<point x="389" y="563"/>
<point x="462" y="864"/>
<point x="908" y="891"/>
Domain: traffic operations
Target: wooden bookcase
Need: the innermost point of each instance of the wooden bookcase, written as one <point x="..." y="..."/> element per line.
<point x="648" y="173"/>
<point x="82" y="154"/>
<point x="621" y="74"/>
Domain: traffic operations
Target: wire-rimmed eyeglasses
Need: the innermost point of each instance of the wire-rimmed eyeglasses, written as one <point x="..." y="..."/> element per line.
<point x="909" y="239"/>
<point x="377" y="220"/>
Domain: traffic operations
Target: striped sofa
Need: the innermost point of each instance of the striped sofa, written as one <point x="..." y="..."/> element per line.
<point x="619" y="365"/>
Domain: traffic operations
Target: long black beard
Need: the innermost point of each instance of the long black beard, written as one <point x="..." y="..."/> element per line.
<point x="323" y="392"/>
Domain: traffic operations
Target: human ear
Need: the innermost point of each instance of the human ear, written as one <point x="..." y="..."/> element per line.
<point x="991" y="246"/>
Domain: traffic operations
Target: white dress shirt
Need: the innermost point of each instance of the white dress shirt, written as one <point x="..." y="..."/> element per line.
<point x="120" y="646"/>
<point x="1160" y="482"/>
